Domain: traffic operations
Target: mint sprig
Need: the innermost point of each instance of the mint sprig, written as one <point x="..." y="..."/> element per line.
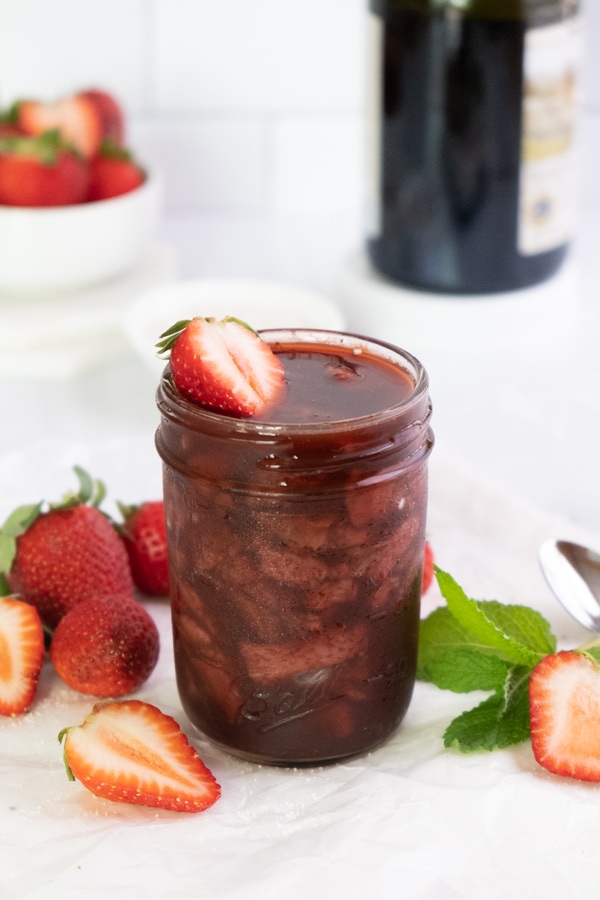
<point x="498" y="722"/>
<point x="483" y="645"/>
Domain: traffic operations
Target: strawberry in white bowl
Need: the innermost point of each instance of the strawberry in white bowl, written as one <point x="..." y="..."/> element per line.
<point x="76" y="205"/>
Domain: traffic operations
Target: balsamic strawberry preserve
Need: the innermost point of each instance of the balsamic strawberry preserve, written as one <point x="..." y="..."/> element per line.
<point x="295" y="550"/>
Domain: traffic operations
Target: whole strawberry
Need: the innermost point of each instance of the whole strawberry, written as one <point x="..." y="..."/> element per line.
<point x="144" y="534"/>
<point x="41" y="171"/>
<point x="113" y="172"/>
<point x="59" y="557"/>
<point x="106" y="646"/>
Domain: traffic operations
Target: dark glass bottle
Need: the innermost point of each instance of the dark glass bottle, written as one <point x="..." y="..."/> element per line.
<point x="473" y="128"/>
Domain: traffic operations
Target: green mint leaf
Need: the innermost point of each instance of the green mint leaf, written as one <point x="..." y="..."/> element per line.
<point x="523" y="624"/>
<point x="450" y="659"/>
<point x="471" y="615"/>
<point x="463" y="670"/>
<point x="500" y="721"/>
<point x="592" y="651"/>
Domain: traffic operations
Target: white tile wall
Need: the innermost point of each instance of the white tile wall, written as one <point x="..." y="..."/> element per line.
<point x="247" y="105"/>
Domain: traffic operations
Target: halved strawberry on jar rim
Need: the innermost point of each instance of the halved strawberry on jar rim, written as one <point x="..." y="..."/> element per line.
<point x="223" y="364"/>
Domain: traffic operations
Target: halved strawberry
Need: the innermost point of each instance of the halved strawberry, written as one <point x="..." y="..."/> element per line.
<point x="132" y="752"/>
<point x="564" y="702"/>
<point x="75" y="117"/>
<point x="223" y="364"/>
<point x="21" y="655"/>
<point x="110" y="113"/>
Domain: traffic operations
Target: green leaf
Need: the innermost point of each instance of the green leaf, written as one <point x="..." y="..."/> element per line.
<point x="500" y="721"/>
<point x="16" y="524"/>
<point x="525" y="625"/>
<point x="483" y="629"/>
<point x="86" y="485"/>
<point x="450" y="658"/>
<point x="463" y="670"/>
<point x="167" y="339"/>
<point x="20" y="519"/>
<point x="591" y="651"/>
<point x="90" y="491"/>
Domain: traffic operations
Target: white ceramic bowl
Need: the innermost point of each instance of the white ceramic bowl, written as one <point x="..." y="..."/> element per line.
<point x="262" y="304"/>
<point x="50" y="249"/>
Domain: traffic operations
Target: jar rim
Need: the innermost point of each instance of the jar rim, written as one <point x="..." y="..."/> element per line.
<point x="248" y="427"/>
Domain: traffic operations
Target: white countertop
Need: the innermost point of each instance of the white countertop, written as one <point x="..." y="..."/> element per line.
<point x="517" y="422"/>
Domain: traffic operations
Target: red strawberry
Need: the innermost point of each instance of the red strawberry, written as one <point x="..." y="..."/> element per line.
<point x="40" y="172"/>
<point x="110" y="113"/>
<point x="10" y="129"/>
<point x="113" y="172"/>
<point x="105" y="646"/>
<point x="223" y="365"/>
<point x="132" y="752"/>
<point x="61" y="557"/>
<point x="75" y="117"/>
<point x="144" y="534"/>
<point x="21" y="655"/>
<point x="85" y="119"/>
<point x="564" y="701"/>
<point x="428" y="568"/>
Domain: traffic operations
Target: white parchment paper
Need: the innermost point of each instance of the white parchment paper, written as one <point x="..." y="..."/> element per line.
<point x="410" y="820"/>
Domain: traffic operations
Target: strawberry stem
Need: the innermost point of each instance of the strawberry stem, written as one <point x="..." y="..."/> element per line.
<point x="169" y="337"/>
<point x="63" y="734"/>
<point x="91" y="492"/>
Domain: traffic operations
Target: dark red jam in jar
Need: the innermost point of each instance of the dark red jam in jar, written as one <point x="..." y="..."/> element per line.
<point x="295" y="550"/>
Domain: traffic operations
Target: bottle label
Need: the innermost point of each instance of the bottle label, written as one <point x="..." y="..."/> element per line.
<point x="547" y="186"/>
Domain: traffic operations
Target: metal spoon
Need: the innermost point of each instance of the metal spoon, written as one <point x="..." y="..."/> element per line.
<point x="573" y="573"/>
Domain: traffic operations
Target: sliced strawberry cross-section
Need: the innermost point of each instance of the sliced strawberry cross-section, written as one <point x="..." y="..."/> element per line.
<point x="564" y="702"/>
<point x="130" y="751"/>
<point x="21" y="655"/>
<point x="85" y="119"/>
<point x="223" y="364"/>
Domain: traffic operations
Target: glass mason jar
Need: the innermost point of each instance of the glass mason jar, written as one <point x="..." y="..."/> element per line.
<point x="295" y="555"/>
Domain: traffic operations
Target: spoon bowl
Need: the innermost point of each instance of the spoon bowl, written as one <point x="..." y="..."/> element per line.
<point x="573" y="574"/>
